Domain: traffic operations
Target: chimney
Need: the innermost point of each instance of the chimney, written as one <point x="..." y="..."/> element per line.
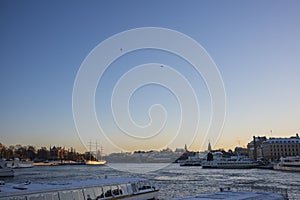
<point x="255" y="149"/>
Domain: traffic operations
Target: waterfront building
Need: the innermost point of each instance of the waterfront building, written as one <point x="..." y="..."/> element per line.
<point x="254" y="147"/>
<point x="272" y="149"/>
<point x="240" y="151"/>
<point x="275" y="148"/>
<point x="57" y="153"/>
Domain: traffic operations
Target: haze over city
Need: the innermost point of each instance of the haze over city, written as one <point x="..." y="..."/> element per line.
<point x="255" y="46"/>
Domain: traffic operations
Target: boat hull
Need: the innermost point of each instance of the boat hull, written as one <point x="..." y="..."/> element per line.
<point x="13" y="164"/>
<point x="116" y="188"/>
<point x="99" y="162"/>
<point x="287" y="168"/>
<point x="229" y="166"/>
<point x="291" y="163"/>
<point x="143" y="196"/>
<point x="190" y="164"/>
<point x="45" y="164"/>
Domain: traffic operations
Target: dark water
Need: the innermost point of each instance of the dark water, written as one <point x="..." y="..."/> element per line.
<point x="173" y="180"/>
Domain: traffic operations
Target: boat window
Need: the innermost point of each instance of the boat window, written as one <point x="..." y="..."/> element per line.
<point x="144" y="185"/>
<point x="107" y="191"/>
<point x="115" y="190"/>
<point x="134" y="187"/>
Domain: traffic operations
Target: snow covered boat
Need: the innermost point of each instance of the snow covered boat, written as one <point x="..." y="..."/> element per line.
<point x="234" y="162"/>
<point x="288" y="164"/>
<point x="17" y="163"/>
<point x="111" y="188"/>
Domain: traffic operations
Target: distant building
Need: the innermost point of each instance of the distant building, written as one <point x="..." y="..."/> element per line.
<point x="57" y="153"/>
<point x="180" y="150"/>
<point x="274" y="148"/>
<point x="254" y="147"/>
<point x="185" y="148"/>
<point x="241" y="151"/>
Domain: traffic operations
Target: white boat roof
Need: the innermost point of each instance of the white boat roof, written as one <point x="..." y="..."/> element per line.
<point x="9" y="190"/>
<point x="236" y="195"/>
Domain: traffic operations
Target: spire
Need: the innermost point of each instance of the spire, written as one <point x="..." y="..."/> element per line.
<point x="209" y="147"/>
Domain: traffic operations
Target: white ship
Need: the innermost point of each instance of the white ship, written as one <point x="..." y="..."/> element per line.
<point x="195" y="160"/>
<point x="4" y="171"/>
<point x="17" y="163"/>
<point x="234" y="162"/>
<point x="115" y="188"/>
<point x="288" y="164"/>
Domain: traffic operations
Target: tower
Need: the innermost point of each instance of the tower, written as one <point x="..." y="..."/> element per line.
<point x="209" y="147"/>
<point x="185" y="148"/>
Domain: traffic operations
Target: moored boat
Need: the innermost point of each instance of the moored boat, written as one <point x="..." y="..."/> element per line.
<point x="46" y="163"/>
<point x="112" y="188"/>
<point x="188" y="162"/>
<point x="288" y="164"/>
<point x="95" y="162"/>
<point x="195" y="160"/>
<point x="234" y="162"/>
<point x="17" y="163"/>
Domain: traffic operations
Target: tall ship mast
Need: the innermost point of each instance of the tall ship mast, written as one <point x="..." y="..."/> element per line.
<point x="96" y="161"/>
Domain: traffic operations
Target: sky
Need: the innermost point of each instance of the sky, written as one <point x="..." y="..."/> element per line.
<point x="254" y="44"/>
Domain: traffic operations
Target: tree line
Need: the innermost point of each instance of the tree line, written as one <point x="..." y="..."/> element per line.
<point x="30" y="152"/>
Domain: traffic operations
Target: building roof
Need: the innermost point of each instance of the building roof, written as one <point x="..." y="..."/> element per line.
<point x="283" y="140"/>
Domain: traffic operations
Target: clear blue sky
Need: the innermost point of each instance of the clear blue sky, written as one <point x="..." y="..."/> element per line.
<point x="255" y="44"/>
